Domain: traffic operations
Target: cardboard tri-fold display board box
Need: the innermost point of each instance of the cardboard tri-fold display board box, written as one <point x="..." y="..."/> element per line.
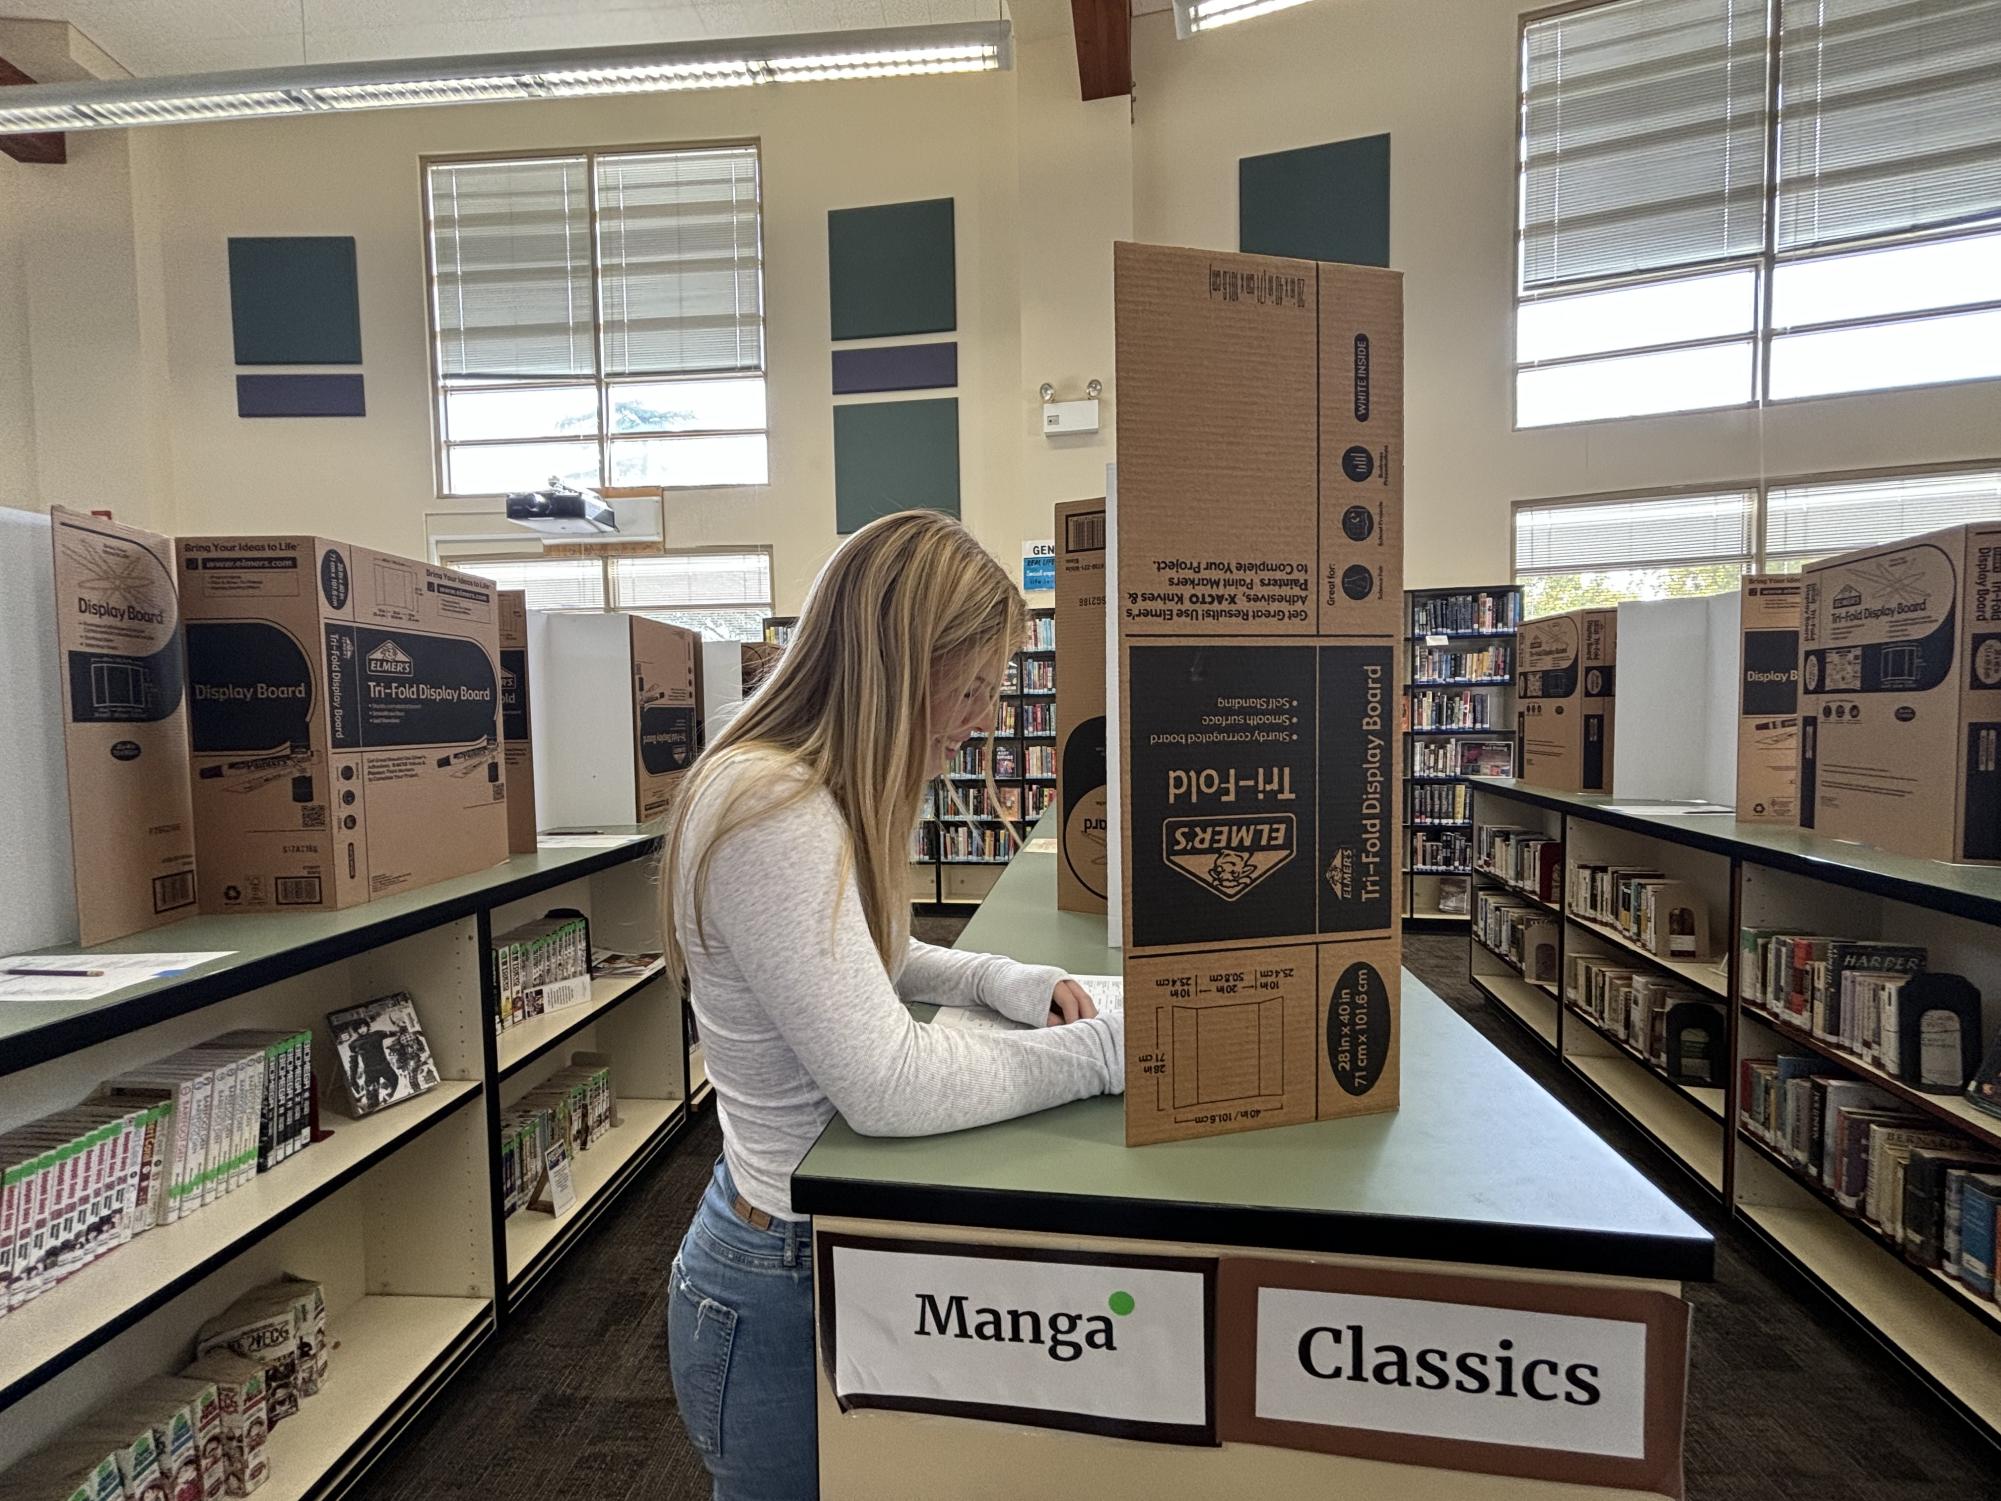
<point x="517" y="743"/>
<point x="1080" y="707"/>
<point x="1768" y="704"/>
<point x="1257" y="679"/>
<point x="1900" y="680"/>
<point x="617" y="716"/>
<point x="344" y="714"/>
<point x="1565" y="669"/>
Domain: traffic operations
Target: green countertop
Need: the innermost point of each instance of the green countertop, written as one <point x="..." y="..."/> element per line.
<point x="1479" y="1164"/>
<point x="262" y="948"/>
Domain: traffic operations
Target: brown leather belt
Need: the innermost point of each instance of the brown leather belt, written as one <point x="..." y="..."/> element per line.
<point x="756" y="1218"/>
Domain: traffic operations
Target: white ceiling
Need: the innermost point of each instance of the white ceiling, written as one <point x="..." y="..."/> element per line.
<point x="196" y="36"/>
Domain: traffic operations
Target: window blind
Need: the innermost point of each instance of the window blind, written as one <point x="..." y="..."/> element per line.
<point x="1604" y="536"/>
<point x="1643" y="138"/>
<point x="694" y="581"/>
<point x="1889" y="117"/>
<point x="1812" y="521"/>
<point x="511" y="253"/>
<point x="678" y="237"/>
<point x="550" y="583"/>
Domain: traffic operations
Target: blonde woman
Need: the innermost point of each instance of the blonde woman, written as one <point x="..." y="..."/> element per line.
<point x="787" y="905"/>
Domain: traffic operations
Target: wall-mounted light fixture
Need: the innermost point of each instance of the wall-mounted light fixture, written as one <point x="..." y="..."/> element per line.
<point x="1062" y="418"/>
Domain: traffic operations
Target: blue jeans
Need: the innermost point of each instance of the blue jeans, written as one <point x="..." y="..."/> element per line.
<point x="740" y="1339"/>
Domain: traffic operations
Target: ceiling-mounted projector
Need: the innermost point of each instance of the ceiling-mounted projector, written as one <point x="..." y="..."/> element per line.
<point x="560" y="511"/>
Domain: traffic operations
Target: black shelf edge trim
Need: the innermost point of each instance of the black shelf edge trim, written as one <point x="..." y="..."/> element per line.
<point x="132" y="1313"/>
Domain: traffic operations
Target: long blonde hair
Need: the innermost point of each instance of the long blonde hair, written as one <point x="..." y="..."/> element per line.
<point x="848" y="708"/>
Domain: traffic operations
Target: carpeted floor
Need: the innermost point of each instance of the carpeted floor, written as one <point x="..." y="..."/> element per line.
<point x="1786" y="1398"/>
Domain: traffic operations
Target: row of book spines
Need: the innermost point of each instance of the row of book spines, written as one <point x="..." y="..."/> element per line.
<point x="1616" y="996"/>
<point x="1525" y="934"/>
<point x="1462" y="759"/>
<point x="1450" y="708"/>
<point x="80" y="1182"/>
<point x="1454" y="802"/>
<point x="1898" y="1172"/>
<point x="1443" y="847"/>
<point x="1801" y="975"/>
<point x="1477" y="611"/>
<point x="1037" y="675"/>
<point x="956" y="841"/>
<point x="1527" y="857"/>
<point x="1042" y="633"/>
<point x="536" y="954"/>
<point x="1437" y="663"/>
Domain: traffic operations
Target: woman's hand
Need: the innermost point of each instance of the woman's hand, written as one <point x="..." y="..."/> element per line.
<point x="1070" y="1003"/>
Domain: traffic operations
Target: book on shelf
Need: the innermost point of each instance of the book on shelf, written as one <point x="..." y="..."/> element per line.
<point x="1525" y="935"/>
<point x="281" y="1326"/>
<point x="381" y="1053"/>
<point x="1925" y="1200"/>
<point x="1451" y="709"/>
<point x="541" y="966"/>
<point x="1527" y="858"/>
<point x="1979" y="1205"/>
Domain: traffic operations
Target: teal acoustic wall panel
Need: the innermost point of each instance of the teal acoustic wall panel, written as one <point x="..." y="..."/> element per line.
<point x="890" y="270"/>
<point x="1320" y="203"/>
<point x="895" y="456"/>
<point x="292" y="301"/>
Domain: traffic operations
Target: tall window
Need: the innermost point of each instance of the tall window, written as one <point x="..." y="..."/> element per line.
<point x="1598" y="551"/>
<point x="724" y="594"/>
<point x="598" y="317"/>
<point x="1725" y="202"/>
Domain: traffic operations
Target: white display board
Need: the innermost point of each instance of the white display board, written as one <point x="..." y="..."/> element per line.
<point x="1675" y="726"/>
<point x="37" y="880"/>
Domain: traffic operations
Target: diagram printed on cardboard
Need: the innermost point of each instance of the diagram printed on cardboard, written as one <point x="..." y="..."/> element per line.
<point x="1227" y="1054"/>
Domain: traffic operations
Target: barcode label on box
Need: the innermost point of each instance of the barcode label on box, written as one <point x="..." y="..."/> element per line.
<point x="297" y="891"/>
<point x="173" y="891"/>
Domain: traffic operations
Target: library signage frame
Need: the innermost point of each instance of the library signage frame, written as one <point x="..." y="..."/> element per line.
<point x="1117" y="1345"/>
<point x="1616" y="1372"/>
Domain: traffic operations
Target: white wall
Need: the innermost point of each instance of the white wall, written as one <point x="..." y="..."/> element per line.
<point x="116" y="376"/>
<point x="1440" y="77"/>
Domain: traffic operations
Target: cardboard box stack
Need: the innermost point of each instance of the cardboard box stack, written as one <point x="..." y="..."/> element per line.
<point x="1901" y="696"/>
<point x="605" y="681"/>
<point x="1564" y="684"/>
<point x="345" y="714"/>
<point x="1257" y="684"/>
<point x="1080" y="706"/>
<point x="1768" y="730"/>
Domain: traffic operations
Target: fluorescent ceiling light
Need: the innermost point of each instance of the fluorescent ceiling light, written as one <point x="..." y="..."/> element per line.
<point x="1191" y="16"/>
<point x="885" y="52"/>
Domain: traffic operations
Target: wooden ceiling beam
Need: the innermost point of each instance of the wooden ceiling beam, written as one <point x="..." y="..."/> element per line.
<point x="48" y="148"/>
<point x="1104" y="47"/>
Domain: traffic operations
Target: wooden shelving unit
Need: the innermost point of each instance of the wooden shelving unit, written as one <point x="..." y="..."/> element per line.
<point x="1441" y="689"/>
<point x="397" y="1215"/>
<point x="1764" y="877"/>
<point x="1025" y="741"/>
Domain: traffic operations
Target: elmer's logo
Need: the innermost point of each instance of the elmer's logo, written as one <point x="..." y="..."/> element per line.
<point x="1849" y="598"/>
<point x="1231" y="854"/>
<point x="1341" y="874"/>
<point x="1069" y="1334"/>
<point x="390" y="660"/>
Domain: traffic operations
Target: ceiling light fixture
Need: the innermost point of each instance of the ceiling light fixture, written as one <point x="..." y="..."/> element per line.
<point x="884" y="52"/>
<point x="1191" y="16"/>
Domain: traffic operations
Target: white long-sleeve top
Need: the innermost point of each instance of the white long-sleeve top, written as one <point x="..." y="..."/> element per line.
<point x="800" y="1019"/>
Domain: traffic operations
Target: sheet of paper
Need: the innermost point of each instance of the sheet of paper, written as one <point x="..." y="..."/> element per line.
<point x="1043" y="846"/>
<point x="1666" y="810"/>
<point x="84" y="977"/>
<point x="1104" y="989"/>
<point x="583" y="841"/>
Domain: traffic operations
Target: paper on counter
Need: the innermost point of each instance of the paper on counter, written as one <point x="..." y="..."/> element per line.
<point x="1666" y="810"/>
<point x="583" y="841"/>
<point x="110" y="972"/>
<point x="1104" y="990"/>
<point x="1042" y="846"/>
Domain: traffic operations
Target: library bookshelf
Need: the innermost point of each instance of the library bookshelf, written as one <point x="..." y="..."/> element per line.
<point x="1458" y="712"/>
<point x="397" y="1215"/>
<point x="963" y="842"/>
<point x="1761" y="877"/>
